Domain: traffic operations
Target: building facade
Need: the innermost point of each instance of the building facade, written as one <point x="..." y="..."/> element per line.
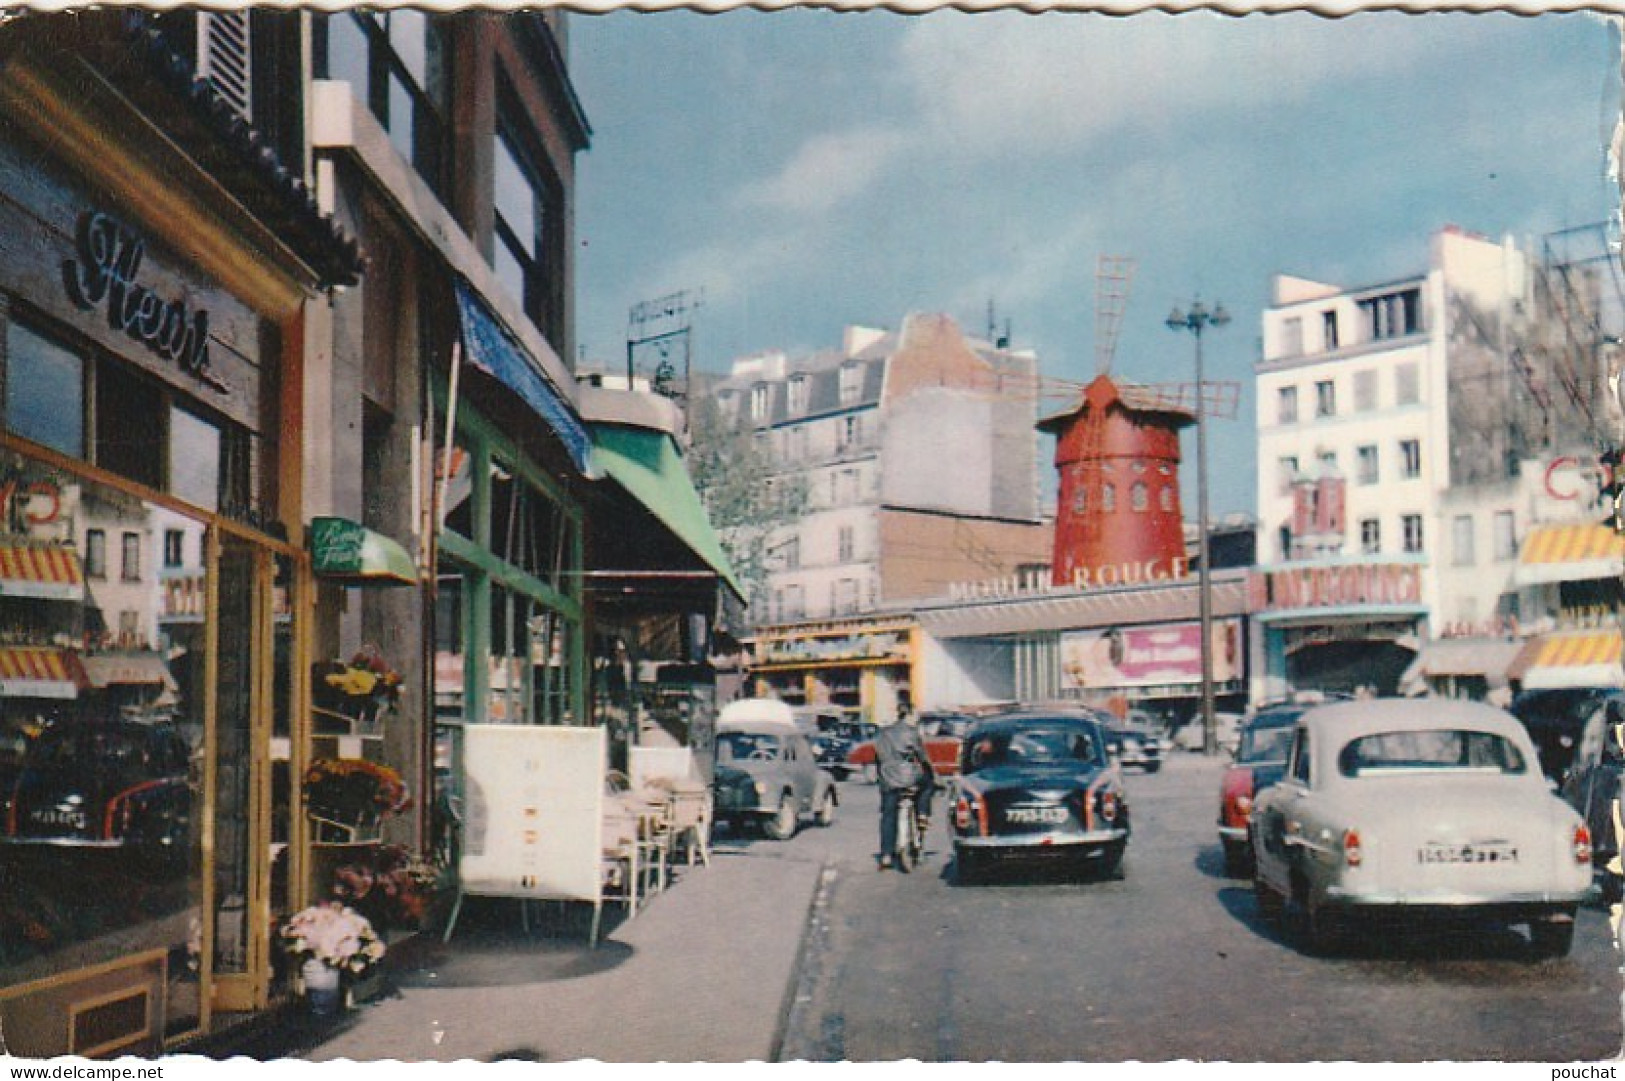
<point x="1404" y="433"/>
<point x="284" y="328"/>
<point x="864" y="433"/>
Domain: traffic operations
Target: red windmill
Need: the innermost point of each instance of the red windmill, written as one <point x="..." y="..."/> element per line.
<point x="1118" y="519"/>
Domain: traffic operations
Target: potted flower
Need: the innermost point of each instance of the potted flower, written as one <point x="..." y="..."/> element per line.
<point x="330" y="940"/>
<point x="353" y="792"/>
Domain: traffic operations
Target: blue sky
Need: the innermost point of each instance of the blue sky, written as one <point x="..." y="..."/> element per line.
<point x="810" y="169"/>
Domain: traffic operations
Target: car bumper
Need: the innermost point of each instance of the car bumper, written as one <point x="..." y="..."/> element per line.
<point x="1025" y="841"/>
<point x="1511" y="906"/>
<point x="63" y="842"/>
<point x="1233" y="834"/>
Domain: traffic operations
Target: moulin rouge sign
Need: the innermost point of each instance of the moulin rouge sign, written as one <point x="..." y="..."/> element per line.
<point x="104" y="275"/>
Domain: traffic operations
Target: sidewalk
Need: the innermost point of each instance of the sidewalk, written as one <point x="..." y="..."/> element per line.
<point x="703" y="974"/>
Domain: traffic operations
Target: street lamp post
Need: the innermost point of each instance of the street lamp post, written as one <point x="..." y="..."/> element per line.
<point x="1197" y="320"/>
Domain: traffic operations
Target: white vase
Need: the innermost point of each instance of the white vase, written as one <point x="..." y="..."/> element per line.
<point x="321" y="982"/>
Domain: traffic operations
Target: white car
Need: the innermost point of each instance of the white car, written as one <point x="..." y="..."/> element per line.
<point x="1413" y="807"/>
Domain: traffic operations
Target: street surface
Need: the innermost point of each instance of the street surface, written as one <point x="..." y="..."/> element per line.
<point x="1167" y="962"/>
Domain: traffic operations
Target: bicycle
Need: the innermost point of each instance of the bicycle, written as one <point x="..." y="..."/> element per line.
<point x="910" y="834"/>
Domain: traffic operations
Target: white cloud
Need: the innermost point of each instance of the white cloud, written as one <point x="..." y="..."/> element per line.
<point x="828" y="169"/>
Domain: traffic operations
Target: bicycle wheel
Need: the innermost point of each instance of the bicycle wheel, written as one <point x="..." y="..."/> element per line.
<point x="908" y="837"/>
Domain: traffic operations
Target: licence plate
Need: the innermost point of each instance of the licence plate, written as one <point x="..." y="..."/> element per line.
<point x="1471" y="852"/>
<point x="1048" y="816"/>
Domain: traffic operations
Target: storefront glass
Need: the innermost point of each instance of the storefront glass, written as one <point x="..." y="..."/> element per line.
<point x="101" y="739"/>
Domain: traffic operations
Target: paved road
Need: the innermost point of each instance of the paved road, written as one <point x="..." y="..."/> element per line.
<point x="1167" y="962"/>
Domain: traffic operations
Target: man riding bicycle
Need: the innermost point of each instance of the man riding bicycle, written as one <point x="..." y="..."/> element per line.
<point x="902" y="768"/>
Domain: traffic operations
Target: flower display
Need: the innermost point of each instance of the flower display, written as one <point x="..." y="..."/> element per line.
<point x="354" y="791"/>
<point x="334" y="934"/>
<point x="365" y="687"/>
<point x="391" y="885"/>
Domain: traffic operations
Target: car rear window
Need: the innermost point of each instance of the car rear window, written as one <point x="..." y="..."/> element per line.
<point x="1265" y="744"/>
<point x="744" y="746"/>
<point x="1032" y="746"/>
<point x="1430" y="750"/>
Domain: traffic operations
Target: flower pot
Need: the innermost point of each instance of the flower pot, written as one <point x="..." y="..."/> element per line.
<point x="322" y="991"/>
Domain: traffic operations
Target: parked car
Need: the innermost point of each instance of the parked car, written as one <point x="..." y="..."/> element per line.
<point x="830" y="751"/>
<point x="1556" y="719"/>
<point x="1417" y="807"/>
<point x="1227" y="727"/>
<point x="767" y="775"/>
<point x="943" y="751"/>
<point x="1037" y="785"/>
<point x="1134" y="748"/>
<point x="107" y="782"/>
<point x="1259" y="762"/>
<point x="946" y="723"/>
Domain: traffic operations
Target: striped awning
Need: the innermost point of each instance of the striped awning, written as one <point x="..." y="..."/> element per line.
<point x="1571" y="659"/>
<point x="39" y="672"/>
<point x="1569" y="553"/>
<point x="43" y="572"/>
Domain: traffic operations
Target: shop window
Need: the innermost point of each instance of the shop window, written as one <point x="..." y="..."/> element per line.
<point x="527" y="528"/>
<point x="130" y="425"/>
<point x="195" y="459"/>
<point x="45" y="391"/>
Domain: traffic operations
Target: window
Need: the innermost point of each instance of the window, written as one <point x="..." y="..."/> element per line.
<point x="1080" y="500"/>
<point x="1393" y="315"/>
<point x="528" y="247"/>
<point x="1287" y="405"/>
<point x="194" y="459"/>
<point x="1300" y="756"/>
<point x="1412" y="525"/>
<point x="1287" y="469"/>
<point x="851" y="383"/>
<point x="848" y="434"/>
<point x="1432" y="749"/>
<point x="1461" y="540"/>
<point x="1108" y="498"/>
<point x="395" y="62"/>
<point x="1165" y="497"/>
<point x="1410" y="456"/>
<point x="844" y="544"/>
<point x="96" y="554"/>
<point x="45" y="392"/>
<point x="173" y="552"/>
<point x="1407" y="384"/>
<point x="1365" y="390"/>
<point x="792" y="554"/>
<point x="1370" y="536"/>
<point x="1367" y="464"/>
<point x="1292" y="337"/>
<point x="760" y="395"/>
<point x="1505" y="537"/>
<point x="798" y="394"/>
<point x="1326" y="398"/>
<point x="131" y="570"/>
<point x="1328" y="461"/>
<point x="1139" y="497"/>
<point x="1328" y="330"/>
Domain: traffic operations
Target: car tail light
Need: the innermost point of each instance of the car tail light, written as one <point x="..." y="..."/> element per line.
<point x="1582" y="844"/>
<point x="1108" y="806"/>
<point x="970" y="814"/>
<point x="1244" y="805"/>
<point x="1352" y="855"/>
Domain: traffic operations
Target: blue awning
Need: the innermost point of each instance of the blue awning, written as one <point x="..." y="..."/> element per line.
<point x="492" y="349"/>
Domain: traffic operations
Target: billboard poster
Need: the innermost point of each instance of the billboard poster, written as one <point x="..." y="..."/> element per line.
<point x="1159" y="656"/>
<point x="535" y="808"/>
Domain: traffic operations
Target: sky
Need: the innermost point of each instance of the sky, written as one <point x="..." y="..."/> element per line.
<point x="805" y="170"/>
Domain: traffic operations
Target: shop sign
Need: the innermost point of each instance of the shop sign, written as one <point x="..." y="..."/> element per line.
<point x="1147" y="656"/>
<point x="1131" y="573"/>
<point x="1352" y="585"/>
<point x="104" y="275"/>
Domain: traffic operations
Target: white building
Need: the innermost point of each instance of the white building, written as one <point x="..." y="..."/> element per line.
<point x="1407" y="432"/>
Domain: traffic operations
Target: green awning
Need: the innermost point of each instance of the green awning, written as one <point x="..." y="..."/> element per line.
<point x="646" y="463"/>
<point x="349" y="552"/>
